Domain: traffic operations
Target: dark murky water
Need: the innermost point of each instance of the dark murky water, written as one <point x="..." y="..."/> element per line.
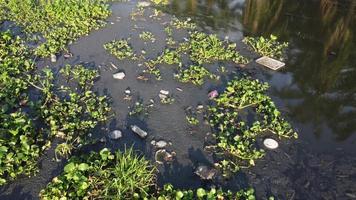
<point x="316" y="91"/>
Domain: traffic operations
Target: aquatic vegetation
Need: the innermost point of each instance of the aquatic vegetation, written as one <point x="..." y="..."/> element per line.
<point x="266" y="46"/>
<point x="169" y="39"/>
<point x="201" y="48"/>
<point x="120" y="49"/>
<point x="236" y="137"/>
<point x="68" y="112"/>
<point x="167" y="100"/>
<point x="205" y="48"/>
<point x="55" y="23"/>
<point x="138" y="12"/>
<point x="192" y="120"/>
<point x="183" y="24"/>
<point x="103" y="175"/>
<point x="169" y="192"/>
<point x="160" y="2"/>
<point x="21" y="143"/>
<point x="195" y="75"/>
<point x="71" y="113"/>
<point x="147" y="36"/>
<point x="139" y="108"/>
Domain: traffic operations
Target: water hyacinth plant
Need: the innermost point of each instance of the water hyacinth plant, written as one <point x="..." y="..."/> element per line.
<point x="56" y="23"/>
<point x="71" y="113"/>
<point x="195" y="75"/>
<point x="236" y="137"/>
<point x="169" y="192"/>
<point x="266" y="46"/>
<point x="120" y="49"/>
<point x="147" y="36"/>
<point x="21" y="143"/>
<point x="205" y="48"/>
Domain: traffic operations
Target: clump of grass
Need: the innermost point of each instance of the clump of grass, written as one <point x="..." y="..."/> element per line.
<point x="266" y="46"/>
<point x="120" y="49"/>
<point x="103" y="175"/>
<point x="59" y="22"/>
<point x="236" y="138"/>
<point x="147" y="36"/>
<point x="195" y="75"/>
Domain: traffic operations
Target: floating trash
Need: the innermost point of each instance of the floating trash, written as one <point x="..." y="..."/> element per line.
<point x="119" y="76"/>
<point x="270" y="143"/>
<point x="213" y="94"/>
<point x="161" y="144"/>
<point x="162" y="156"/>
<point x="116" y="134"/>
<point x="270" y="62"/>
<point x="205" y="172"/>
<point x="53" y="58"/>
<point x="139" y="131"/>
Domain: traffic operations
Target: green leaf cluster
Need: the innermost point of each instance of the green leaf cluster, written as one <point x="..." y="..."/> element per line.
<point x="71" y="112"/>
<point x="147" y="36"/>
<point x="195" y="75"/>
<point x="266" y="46"/>
<point x="236" y="137"/>
<point x="120" y="49"/>
<point x="208" y="48"/>
<point x="55" y="24"/>
<point x="169" y="192"/>
<point x="20" y="143"/>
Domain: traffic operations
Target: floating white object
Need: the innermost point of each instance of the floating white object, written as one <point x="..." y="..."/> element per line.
<point x="119" y="76"/>
<point x="270" y="143"/>
<point x="116" y="134"/>
<point x="53" y="58"/>
<point x="139" y="131"/>
<point x="270" y="62"/>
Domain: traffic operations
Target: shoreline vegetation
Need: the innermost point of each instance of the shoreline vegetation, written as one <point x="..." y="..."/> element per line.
<point x="39" y="107"/>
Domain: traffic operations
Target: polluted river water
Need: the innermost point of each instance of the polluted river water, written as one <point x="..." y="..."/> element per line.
<point x="315" y="90"/>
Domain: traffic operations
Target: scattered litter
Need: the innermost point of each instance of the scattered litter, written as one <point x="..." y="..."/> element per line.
<point x="270" y="143"/>
<point x="119" y="75"/>
<point x="213" y="94"/>
<point x="200" y="107"/>
<point x="139" y="131"/>
<point x="128" y="91"/>
<point x="112" y="65"/>
<point x="165" y="97"/>
<point x="179" y="89"/>
<point x="161" y="144"/>
<point x="143" y="4"/>
<point x="162" y="156"/>
<point x="270" y="62"/>
<point x="116" y="134"/>
<point x="103" y="139"/>
<point x="53" y="58"/>
<point x="153" y="142"/>
<point x="68" y="55"/>
<point x="142" y="78"/>
<point x="164" y="92"/>
<point x="205" y="173"/>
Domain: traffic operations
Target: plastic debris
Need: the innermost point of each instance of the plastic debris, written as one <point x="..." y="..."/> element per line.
<point x="270" y="63"/>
